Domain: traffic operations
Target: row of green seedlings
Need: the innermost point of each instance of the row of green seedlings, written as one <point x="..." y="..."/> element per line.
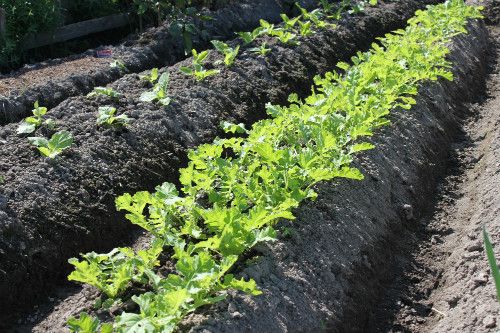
<point x="287" y="34"/>
<point x="306" y="24"/>
<point x="303" y="24"/>
<point x="235" y="190"/>
<point x="62" y="140"/>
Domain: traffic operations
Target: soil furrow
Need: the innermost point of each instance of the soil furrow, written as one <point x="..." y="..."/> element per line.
<point x="446" y="284"/>
<point x="331" y="272"/>
<point x="50" y="211"/>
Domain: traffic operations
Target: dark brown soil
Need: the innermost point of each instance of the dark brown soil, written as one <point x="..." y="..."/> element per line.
<point x="50" y="211"/>
<point x="329" y="272"/>
<point x="446" y="284"/>
<point x="154" y="48"/>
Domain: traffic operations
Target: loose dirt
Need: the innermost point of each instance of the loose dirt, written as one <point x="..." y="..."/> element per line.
<point x="446" y="285"/>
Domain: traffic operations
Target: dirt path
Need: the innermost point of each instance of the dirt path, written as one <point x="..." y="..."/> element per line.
<point x="447" y="285"/>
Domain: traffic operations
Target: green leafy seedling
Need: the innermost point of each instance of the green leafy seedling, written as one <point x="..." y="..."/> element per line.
<point x="229" y="53"/>
<point x="197" y="70"/>
<point x="53" y="147"/>
<point x="88" y="324"/>
<point x="159" y="92"/>
<point x="262" y="50"/>
<point x="495" y="272"/>
<point x="30" y="124"/>
<point x="151" y="77"/>
<point x="249" y="37"/>
<point x="118" y="64"/>
<point x="289" y="23"/>
<point x="107" y="117"/>
<point x="285" y="37"/>
<point x="110" y="92"/>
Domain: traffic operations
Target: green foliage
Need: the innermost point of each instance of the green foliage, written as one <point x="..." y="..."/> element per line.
<point x="197" y="70"/>
<point x="110" y="92"/>
<point x="495" y="271"/>
<point x="30" y="124"/>
<point x="25" y="18"/>
<point x="88" y="324"/>
<point x="249" y="37"/>
<point x="229" y="53"/>
<point x="119" y="64"/>
<point x="53" y="147"/>
<point x="152" y="77"/>
<point x="160" y="90"/>
<point x="261" y="50"/>
<point x="236" y="189"/>
<point x="107" y="117"/>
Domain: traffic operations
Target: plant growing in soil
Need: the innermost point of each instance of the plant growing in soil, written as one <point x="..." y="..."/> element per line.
<point x="249" y="37"/>
<point x="250" y="183"/>
<point x="289" y="23"/>
<point x="104" y="92"/>
<point x="229" y="53"/>
<point x="197" y="70"/>
<point x="159" y="92"/>
<point x="118" y="64"/>
<point x="107" y="117"/>
<point x="495" y="271"/>
<point x="88" y="324"/>
<point x="152" y="77"/>
<point x="261" y="50"/>
<point x="53" y="147"/>
<point x="30" y="124"/>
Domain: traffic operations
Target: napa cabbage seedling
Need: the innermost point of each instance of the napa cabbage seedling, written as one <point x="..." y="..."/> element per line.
<point x="159" y="92"/>
<point x="107" y="117"/>
<point x="151" y="77"/>
<point x="262" y="50"/>
<point x="229" y="53"/>
<point x="30" y="124"/>
<point x="88" y="324"/>
<point x="285" y="37"/>
<point x="53" y="147"/>
<point x="249" y="37"/>
<point x="118" y="64"/>
<point x="289" y="23"/>
<point x="197" y="70"/>
<point x="110" y="92"/>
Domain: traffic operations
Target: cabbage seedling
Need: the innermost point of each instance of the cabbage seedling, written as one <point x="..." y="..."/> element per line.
<point x="152" y="77"/>
<point x="197" y="70"/>
<point x="105" y="92"/>
<point x="229" y="53"/>
<point x="53" y="147"/>
<point x="30" y="124"/>
<point x="249" y="37"/>
<point x="261" y="50"/>
<point x="107" y="117"/>
<point x="159" y="92"/>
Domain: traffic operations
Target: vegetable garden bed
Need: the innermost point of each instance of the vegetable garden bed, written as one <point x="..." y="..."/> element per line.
<point x="155" y="47"/>
<point x="228" y="229"/>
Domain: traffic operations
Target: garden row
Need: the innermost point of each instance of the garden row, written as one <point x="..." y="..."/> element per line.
<point x="235" y="190"/>
<point x="52" y="210"/>
<point x="160" y="46"/>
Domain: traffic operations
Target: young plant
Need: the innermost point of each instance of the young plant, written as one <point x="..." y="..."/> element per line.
<point x="151" y="77"/>
<point x="495" y="272"/>
<point x="305" y="28"/>
<point x="261" y="50"/>
<point x="229" y="53"/>
<point x="159" y="92"/>
<point x="249" y="37"/>
<point x="88" y="324"/>
<point x="107" y="117"/>
<point x="197" y="70"/>
<point x="30" y="124"/>
<point x="53" y="147"/>
<point x="285" y="37"/>
<point x="289" y="23"/>
<point x="104" y="92"/>
<point x="118" y="64"/>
